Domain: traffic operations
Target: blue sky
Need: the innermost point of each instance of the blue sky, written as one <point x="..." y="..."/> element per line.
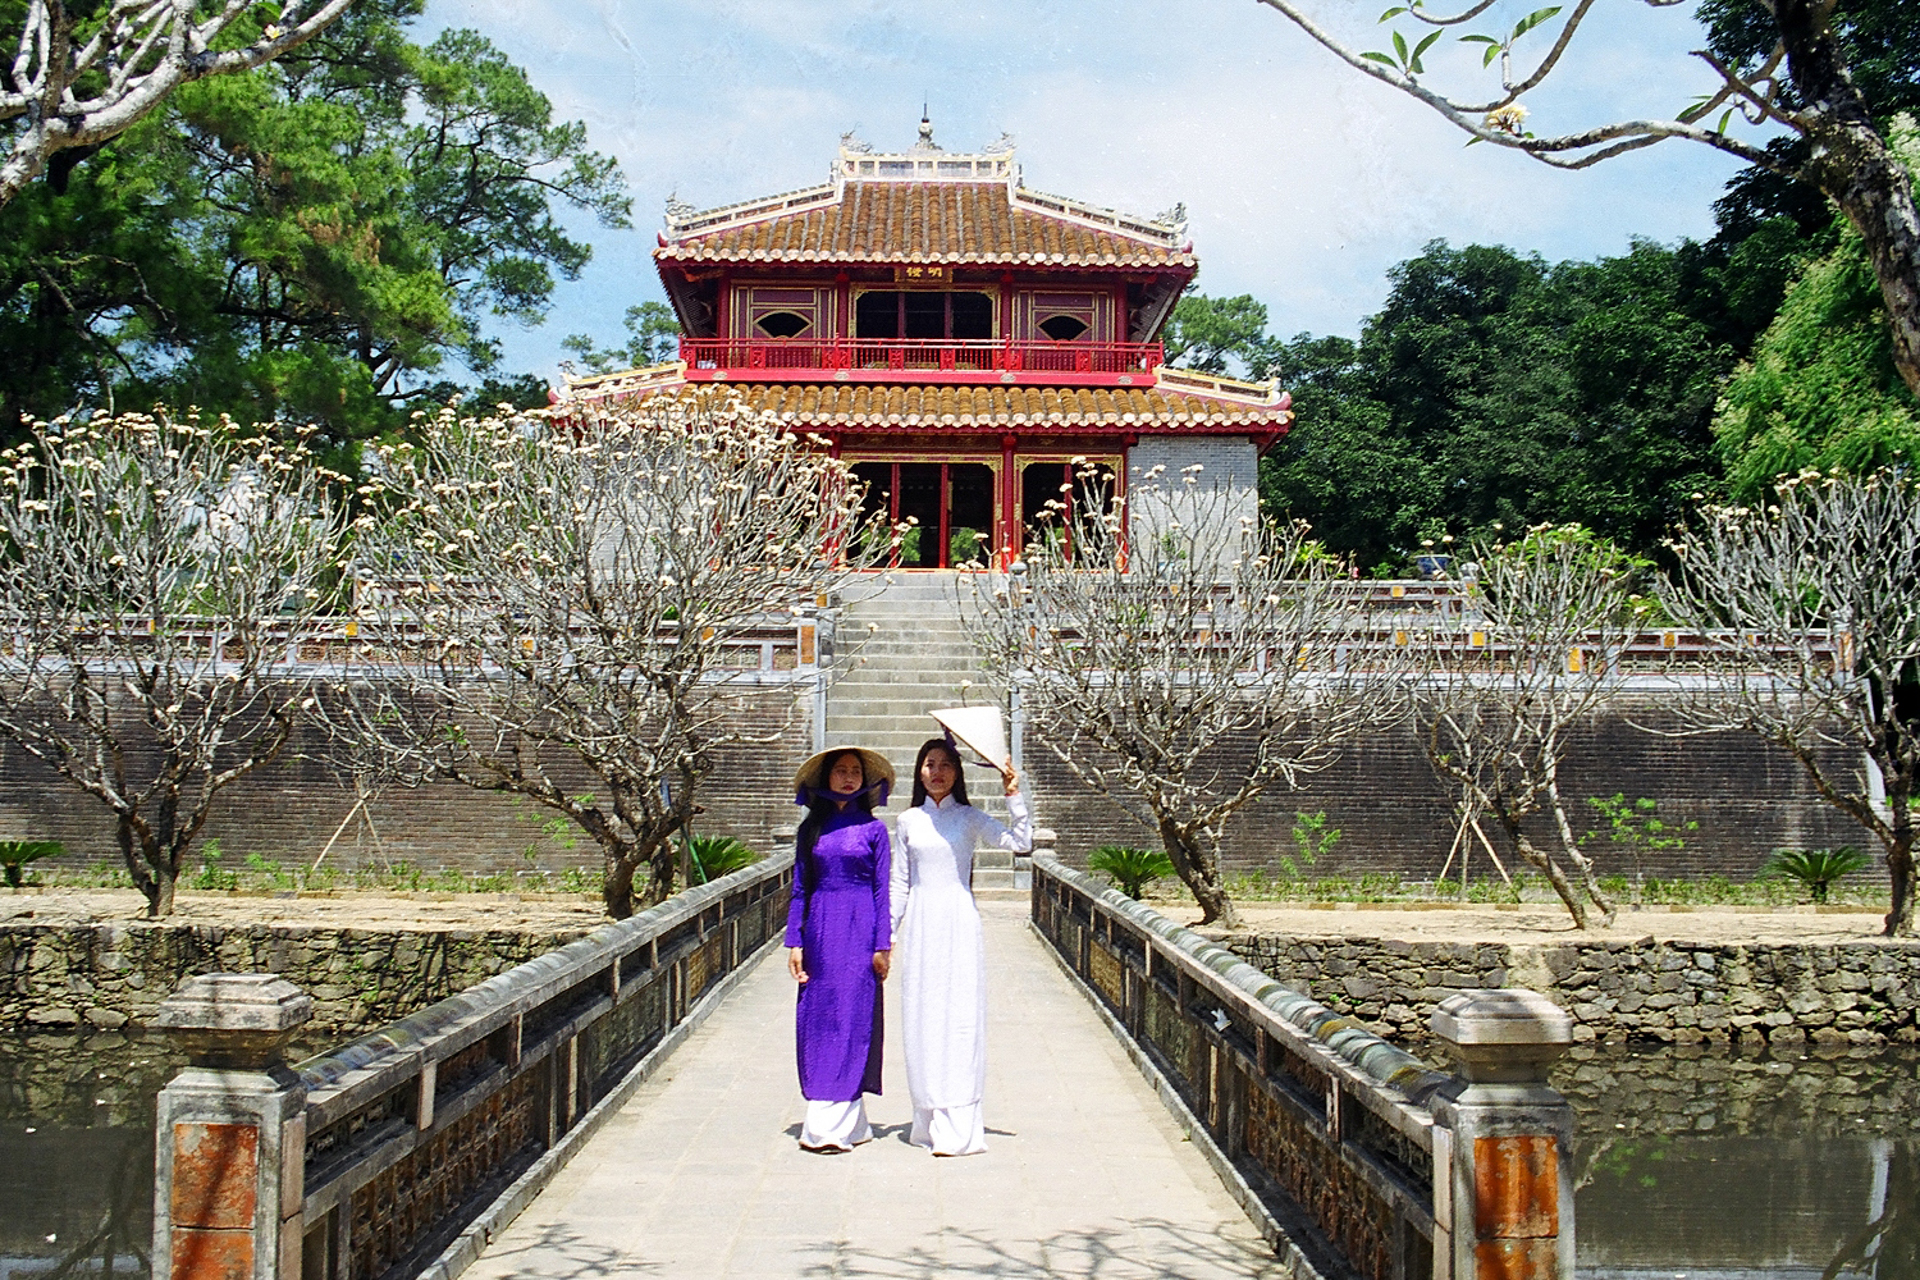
<point x="1304" y="181"/>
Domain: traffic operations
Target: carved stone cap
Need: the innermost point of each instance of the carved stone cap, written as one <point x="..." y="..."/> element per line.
<point x="241" y="1020"/>
<point x="1503" y="1035"/>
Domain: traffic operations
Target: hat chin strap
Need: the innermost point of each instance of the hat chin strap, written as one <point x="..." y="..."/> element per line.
<point x="812" y="795"/>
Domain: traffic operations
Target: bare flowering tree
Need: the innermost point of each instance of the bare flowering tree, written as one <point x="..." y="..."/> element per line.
<point x="1183" y="657"/>
<point x="158" y="575"/>
<point x="1502" y="693"/>
<point x="82" y="74"/>
<point x="558" y="598"/>
<point x="1775" y="64"/>
<point x="1815" y="600"/>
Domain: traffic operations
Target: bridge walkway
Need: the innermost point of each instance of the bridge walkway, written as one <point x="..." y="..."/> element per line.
<point x="699" y="1174"/>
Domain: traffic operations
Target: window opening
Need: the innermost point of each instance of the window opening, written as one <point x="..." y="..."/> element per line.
<point x="782" y="324"/>
<point x="1063" y="328"/>
<point x="923" y="314"/>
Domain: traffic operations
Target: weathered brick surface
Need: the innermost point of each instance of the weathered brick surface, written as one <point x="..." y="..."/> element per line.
<point x="287" y="811"/>
<point x="1747" y="797"/>
<point x="214" y="1175"/>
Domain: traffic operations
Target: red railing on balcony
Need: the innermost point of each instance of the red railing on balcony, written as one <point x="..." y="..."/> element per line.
<point x="921" y="360"/>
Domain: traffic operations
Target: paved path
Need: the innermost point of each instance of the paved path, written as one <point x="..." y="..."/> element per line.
<point x="699" y="1175"/>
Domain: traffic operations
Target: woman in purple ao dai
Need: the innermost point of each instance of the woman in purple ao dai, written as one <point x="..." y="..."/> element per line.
<point x="840" y="941"/>
<point x="943" y="996"/>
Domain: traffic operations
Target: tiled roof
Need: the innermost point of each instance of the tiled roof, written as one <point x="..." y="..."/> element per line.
<point x="934" y="407"/>
<point x="986" y="223"/>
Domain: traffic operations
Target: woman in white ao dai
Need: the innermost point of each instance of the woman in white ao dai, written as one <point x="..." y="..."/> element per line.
<point x="943" y="976"/>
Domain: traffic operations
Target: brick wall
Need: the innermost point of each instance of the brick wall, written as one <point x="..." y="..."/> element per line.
<point x="288" y="811"/>
<point x="1749" y="799"/>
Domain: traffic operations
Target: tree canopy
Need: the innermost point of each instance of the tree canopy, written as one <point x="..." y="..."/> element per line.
<point x="1496" y="390"/>
<point x="333" y="237"/>
<point x="1831" y="76"/>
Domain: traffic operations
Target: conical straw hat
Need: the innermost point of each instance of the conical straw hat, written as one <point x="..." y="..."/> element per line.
<point x="980" y="730"/>
<point x="813" y="774"/>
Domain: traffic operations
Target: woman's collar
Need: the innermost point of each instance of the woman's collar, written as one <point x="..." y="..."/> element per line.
<point x="944" y="802"/>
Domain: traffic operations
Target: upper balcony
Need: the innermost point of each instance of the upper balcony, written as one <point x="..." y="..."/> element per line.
<point x="1041" y="362"/>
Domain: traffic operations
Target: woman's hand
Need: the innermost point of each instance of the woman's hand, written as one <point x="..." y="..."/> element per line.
<point x="794" y="965"/>
<point x="882" y="963"/>
<point x="1011" y="777"/>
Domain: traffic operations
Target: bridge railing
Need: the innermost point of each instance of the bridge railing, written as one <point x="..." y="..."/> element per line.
<point x="1360" y="1158"/>
<point x="396" y="1154"/>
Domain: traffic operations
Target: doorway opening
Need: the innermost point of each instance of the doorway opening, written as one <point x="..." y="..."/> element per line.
<point x="950" y="504"/>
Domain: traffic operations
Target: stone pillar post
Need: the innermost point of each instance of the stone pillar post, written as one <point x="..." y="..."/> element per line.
<point x="230" y="1147"/>
<point x="1503" y="1192"/>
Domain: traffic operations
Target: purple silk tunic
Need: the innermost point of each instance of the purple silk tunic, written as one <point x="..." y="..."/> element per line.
<point x="840" y="916"/>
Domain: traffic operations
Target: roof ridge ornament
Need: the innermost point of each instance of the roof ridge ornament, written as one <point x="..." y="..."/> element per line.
<point x="852" y="144"/>
<point x="926" y="142"/>
<point x="1000" y="146"/>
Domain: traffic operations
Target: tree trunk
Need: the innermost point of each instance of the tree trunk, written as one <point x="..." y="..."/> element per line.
<point x="1853" y="165"/>
<point x="1579" y="859"/>
<point x="1200" y="871"/>
<point x="1900" y="864"/>
<point x="1543" y="861"/>
<point x="617" y="891"/>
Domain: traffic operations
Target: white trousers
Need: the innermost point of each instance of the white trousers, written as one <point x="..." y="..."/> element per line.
<point x="950" y="1131"/>
<point x="836" y="1126"/>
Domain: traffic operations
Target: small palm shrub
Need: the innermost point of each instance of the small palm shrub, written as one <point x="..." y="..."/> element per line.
<point x="16" y="854"/>
<point x="1817" y="869"/>
<point x="716" y="856"/>
<point x="1131" y="870"/>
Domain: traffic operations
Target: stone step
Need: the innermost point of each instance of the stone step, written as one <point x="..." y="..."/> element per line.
<point x="877" y="675"/>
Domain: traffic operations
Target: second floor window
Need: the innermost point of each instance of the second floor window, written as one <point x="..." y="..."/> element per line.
<point x="887" y="313"/>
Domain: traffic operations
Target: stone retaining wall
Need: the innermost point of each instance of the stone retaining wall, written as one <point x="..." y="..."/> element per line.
<point x="116" y="975"/>
<point x="1673" y="992"/>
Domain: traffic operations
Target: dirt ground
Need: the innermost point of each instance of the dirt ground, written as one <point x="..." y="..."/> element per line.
<point x="1409" y="921"/>
<point x="427" y="911"/>
<point x="1543" y="922"/>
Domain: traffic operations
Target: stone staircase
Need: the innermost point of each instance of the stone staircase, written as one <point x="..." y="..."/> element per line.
<point x="914" y="658"/>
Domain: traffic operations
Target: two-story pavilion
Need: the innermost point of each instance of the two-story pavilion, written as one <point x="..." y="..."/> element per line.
<point x="962" y="341"/>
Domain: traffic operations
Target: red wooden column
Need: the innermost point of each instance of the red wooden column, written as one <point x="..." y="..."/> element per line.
<point x="1009" y="502"/>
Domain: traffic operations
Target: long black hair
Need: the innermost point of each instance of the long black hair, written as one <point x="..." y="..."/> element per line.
<point x="931" y="745"/>
<point x="821" y="807"/>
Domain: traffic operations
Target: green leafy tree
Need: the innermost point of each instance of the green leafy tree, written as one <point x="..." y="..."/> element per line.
<point x="1779" y="65"/>
<point x="1822" y="389"/>
<point x="1494" y="390"/>
<point x="84" y="73"/>
<point x="653" y="336"/>
<point x="1225" y="336"/>
<point x="328" y="238"/>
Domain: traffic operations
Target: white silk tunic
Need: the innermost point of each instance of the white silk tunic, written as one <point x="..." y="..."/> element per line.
<point x="942" y="966"/>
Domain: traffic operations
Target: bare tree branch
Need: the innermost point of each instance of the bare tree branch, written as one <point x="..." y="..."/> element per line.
<point x="579" y="594"/>
<point x="61" y="93"/>
<point x="1184" y="658"/>
<point x="159" y="576"/>
<point x="1815" y="600"/>
<point x="1503" y="693"/>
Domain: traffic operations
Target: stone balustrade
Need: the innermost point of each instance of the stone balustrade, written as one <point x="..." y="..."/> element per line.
<point x="1357" y="1157"/>
<point x="399" y="1153"/>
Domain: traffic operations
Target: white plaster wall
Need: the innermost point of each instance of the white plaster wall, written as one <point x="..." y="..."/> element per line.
<point x="1226" y="462"/>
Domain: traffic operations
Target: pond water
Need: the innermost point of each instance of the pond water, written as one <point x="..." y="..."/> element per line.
<point x="1702" y="1164"/>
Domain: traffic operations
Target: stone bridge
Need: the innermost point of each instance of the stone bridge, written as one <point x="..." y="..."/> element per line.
<point x="627" y="1104"/>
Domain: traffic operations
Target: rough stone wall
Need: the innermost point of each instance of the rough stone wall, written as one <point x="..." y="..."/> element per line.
<point x="288" y="811"/>
<point x="116" y="975"/>
<point x="1674" y="992"/>
<point x="1749" y="799"/>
